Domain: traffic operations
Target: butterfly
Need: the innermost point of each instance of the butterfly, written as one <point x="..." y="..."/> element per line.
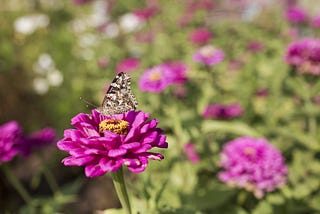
<point x="119" y="97"/>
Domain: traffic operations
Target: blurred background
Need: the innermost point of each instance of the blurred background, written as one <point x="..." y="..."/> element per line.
<point x="54" y="52"/>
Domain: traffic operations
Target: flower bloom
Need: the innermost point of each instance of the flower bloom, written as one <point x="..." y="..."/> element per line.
<point x="200" y="36"/>
<point x="145" y="13"/>
<point x="305" y="55"/>
<point x="252" y="164"/>
<point x="128" y="65"/>
<point x="38" y="139"/>
<point x="190" y="151"/>
<point x="220" y="111"/>
<point x="315" y="22"/>
<point x="104" y="143"/>
<point x="296" y="15"/>
<point x="208" y="55"/>
<point x="10" y="141"/>
<point x="159" y="77"/>
<point x="255" y="46"/>
<point x="80" y="2"/>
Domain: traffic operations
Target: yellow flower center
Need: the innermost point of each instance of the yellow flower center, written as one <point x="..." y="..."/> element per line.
<point x="249" y="151"/>
<point x="155" y="75"/>
<point x="207" y="50"/>
<point x="114" y="125"/>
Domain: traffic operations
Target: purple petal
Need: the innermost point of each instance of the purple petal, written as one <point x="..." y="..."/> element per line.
<point x="117" y="152"/>
<point x="77" y="161"/>
<point x="93" y="171"/>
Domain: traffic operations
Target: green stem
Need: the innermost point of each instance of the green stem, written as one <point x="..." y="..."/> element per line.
<point x="16" y="183"/>
<point x="120" y="186"/>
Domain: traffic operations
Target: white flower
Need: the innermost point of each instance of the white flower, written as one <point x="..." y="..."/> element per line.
<point x="111" y="30"/>
<point x="130" y="23"/>
<point x="30" y="23"/>
<point x="40" y="85"/>
<point x="54" y="77"/>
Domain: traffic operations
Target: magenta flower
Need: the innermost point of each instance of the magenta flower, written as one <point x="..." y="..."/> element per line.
<point x="128" y="65"/>
<point x="80" y="2"/>
<point x="296" y="15"/>
<point x="38" y="139"/>
<point x="104" y="143"/>
<point x="145" y="13"/>
<point x="220" y="111"/>
<point x="190" y="151"/>
<point x="304" y="55"/>
<point x="255" y="46"/>
<point x="315" y="22"/>
<point x="156" y="79"/>
<point x="103" y="62"/>
<point x="252" y="164"/>
<point x="11" y="139"/>
<point x="178" y="71"/>
<point x="208" y="55"/>
<point x="200" y="36"/>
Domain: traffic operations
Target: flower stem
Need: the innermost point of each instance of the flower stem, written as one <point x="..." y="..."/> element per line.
<point x="120" y="186"/>
<point x="16" y="183"/>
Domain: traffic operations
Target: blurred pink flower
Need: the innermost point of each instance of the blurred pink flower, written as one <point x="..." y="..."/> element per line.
<point x="190" y="151"/>
<point x="128" y="65"/>
<point x="146" y="37"/>
<point x="296" y="15"/>
<point x="155" y="79"/>
<point x="80" y="2"/>
<point x="220" y="111"/>
<point x="146" y="13"/>
<point x="104" y="143"/>
<point x="252" y="164"/>
<point x="200" y="36"/>
<point x="315" y="22"/>
<point x="304" y="54"/>
<point x="255" y="46"/>
<point x="262" y="92"/>
<point x="103" y="62"/>
<point x="38" y="139"/>
<point x="159" y="77"/>
<point x="208" y="55"/>
<point x="11" y="140"/>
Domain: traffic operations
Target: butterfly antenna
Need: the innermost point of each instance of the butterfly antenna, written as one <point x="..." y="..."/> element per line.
<point x="88" y="103"/>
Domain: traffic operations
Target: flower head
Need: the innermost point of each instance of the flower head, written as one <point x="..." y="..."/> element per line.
<point x="11" y="139"/>
<point x="255" y="46"/>
<point x="208" y="55"/>
<point x="128" y="65"/>
<point x="296" y="15"/>
<point x="220" y="111"/>
<point x="315" y="22"/>
<point x="200" y="36"/>
<point x="305" y="55"/>
<point x="190" y="151"/>
<point x="38" y="139"/>
<point x="146" y="13"/>
<point x="252" y="164"/>
<point x="104" y="143"/>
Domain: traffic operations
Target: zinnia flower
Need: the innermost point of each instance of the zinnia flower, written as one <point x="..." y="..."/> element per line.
<point x="145" y="13"/>
<point x="220" y="111"/>
<point x="315" y="22"/>
<point x="38" y="139"/>
<point x="190" y="151"/>
<point x="296" y="15"/>
<point x="128" y="65"/>
<point x="252" y="164"/>
<point x="156" y="79"/>
<point x="208" y="55"/>
<point x="178" y="71"/>
<point x="10" y="141"/>
<point x="305" y="55"/>
<point x="104" y="143"/>
<point x="200" y="36"/>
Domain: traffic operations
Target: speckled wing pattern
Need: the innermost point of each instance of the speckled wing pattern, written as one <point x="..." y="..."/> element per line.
<point x="119" y="97"/>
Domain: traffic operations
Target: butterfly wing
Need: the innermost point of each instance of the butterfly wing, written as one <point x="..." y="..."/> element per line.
<point x="119" y="97"/>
